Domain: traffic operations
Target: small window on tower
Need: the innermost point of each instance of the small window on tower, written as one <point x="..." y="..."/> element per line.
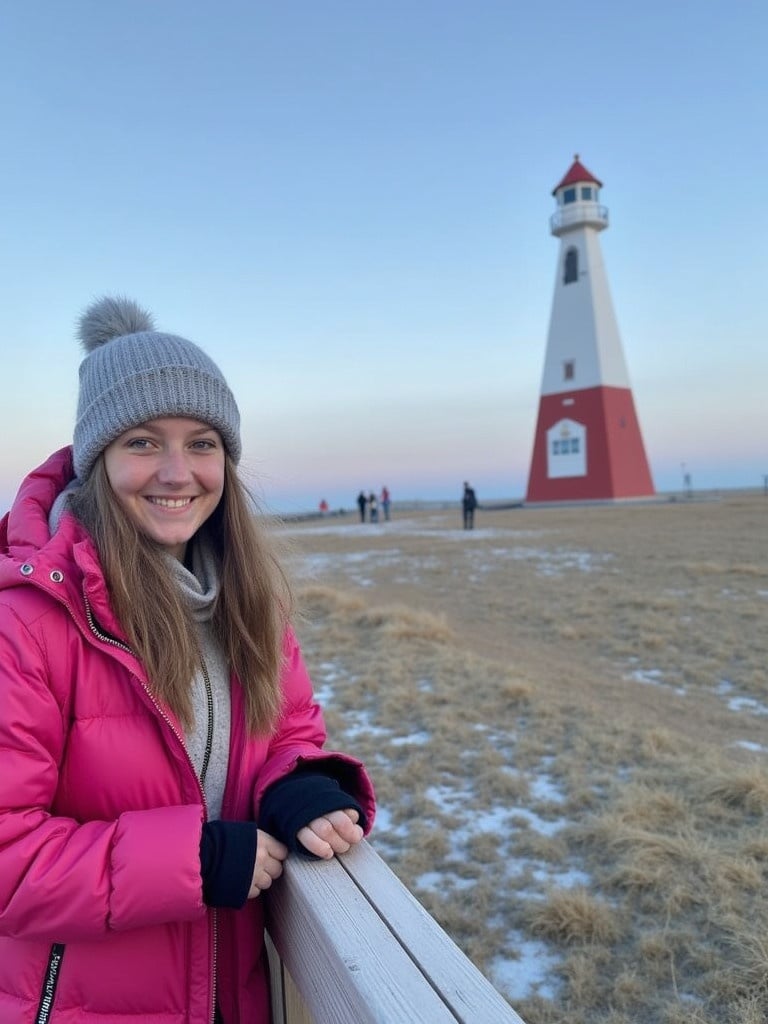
<point x="569" y="196"/>
<point x="586" y="192"/>
<point x="569" y="369"/>
<point x="571" y="270"/>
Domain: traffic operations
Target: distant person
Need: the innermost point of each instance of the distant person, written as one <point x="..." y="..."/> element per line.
<point x="468" y="506"/>
<point x="373" y="508"/>
<point x="323" y="507"/>
<point x="385" y="502"/>
<point x="362" y="501"/>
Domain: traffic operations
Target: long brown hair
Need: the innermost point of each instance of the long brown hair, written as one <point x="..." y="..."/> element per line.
<point x="251" y="611"/>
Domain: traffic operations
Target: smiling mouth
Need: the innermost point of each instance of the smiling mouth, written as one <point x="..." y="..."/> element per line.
<point x="170" y="502"/>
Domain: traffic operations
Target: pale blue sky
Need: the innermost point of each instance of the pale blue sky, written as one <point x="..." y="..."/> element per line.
<point x="346" y="204"/>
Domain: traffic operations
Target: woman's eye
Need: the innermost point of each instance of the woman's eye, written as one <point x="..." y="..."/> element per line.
<point x="204" y="444"/>
<point x="138" y="442"/>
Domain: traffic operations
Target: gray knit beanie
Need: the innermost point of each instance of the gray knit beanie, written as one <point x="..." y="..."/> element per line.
<point x="133" y="373"/>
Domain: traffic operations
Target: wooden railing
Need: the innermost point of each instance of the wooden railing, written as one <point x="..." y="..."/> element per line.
<point x="349" y="944"/>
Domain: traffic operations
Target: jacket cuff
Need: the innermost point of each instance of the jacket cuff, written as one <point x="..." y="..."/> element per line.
<point x="227" y="859"/>
<point x="293" y="801"/>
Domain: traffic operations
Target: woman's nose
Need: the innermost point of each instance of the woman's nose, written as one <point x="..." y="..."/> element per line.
<point x="173" y="468"/>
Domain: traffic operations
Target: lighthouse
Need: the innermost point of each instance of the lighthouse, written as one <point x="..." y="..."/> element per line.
<point x="588" y="445"/>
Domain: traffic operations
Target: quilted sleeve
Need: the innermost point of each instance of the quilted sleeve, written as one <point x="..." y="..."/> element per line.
<point x="61" y="879"/>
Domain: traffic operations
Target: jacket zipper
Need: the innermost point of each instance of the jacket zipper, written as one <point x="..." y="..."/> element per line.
<point x="50" y="981"/>
<point x="209" y="697"/>
<point x="209" y="736"/>
<point x="203" y="771"/>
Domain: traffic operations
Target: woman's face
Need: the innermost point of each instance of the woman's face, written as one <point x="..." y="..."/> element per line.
<point x="168" y="475"/>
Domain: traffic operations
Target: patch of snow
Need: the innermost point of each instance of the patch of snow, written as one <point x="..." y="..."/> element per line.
<point x="528" y="973"/>
<point x="536" y="822"/>
<point x="755" y="748"/>
<point x="748" y="704"/>
<point x="655" y="677"/>
<point x="439" y="881"/>
<point x="448" y="799"/>
<point x="323" y="695"/>
<point x="384" y="824"/>
<point x="359" y="722"/>
<point x="543" y="788"/>
<point x="415" y="739"/>
<point x="433" y="526"/>
<point x="568" y="879"/>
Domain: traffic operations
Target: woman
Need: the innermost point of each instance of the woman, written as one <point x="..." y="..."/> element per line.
<point x="160" y="748"/>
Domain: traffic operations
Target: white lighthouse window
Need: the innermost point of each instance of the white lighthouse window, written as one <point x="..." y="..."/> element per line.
<point x="571" y="269"/>
<point x="586" y="192"/>
<point x="566" y="446"/>
<point x="569" y="196"/>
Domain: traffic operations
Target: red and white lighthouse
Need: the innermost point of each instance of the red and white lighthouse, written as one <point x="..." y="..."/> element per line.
<point x="588" y="445"/>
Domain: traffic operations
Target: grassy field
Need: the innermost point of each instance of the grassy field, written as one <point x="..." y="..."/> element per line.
<point x="564" y="712"/>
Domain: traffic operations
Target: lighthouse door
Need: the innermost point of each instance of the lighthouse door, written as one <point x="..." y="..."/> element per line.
<point x="566" y="449"/>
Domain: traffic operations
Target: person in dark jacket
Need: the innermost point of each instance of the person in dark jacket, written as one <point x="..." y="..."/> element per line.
<point x="161" y="750"/>
<point x="468" y="506"/>
<point x="362" y="501"/>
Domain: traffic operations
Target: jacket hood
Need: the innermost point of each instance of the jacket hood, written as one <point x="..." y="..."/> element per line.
<point x="24" y="529"/>
<point x="62" y="564"/>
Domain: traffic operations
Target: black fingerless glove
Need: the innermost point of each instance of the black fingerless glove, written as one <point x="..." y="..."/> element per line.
<point x="293" y="801"/>
<point x="227" y="858"/>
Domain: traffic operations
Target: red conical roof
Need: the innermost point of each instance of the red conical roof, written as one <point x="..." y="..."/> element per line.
<point x="577" y="173"/>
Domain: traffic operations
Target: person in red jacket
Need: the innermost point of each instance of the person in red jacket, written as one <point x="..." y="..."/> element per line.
<point x="161" y="751"/>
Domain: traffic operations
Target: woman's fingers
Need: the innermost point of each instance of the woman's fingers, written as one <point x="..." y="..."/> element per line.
<point x="326" y="836"/>
<point x="332" y="833"/>
<point x="270" y="854"/>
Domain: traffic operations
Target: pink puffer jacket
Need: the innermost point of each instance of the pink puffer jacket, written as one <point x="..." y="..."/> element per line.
<point x="101" y="913"/>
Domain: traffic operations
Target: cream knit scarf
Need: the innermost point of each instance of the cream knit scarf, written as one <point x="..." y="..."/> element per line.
<point x="200" y="588"/>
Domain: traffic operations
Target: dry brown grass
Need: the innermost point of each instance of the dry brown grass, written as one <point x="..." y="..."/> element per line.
<point x="574" y="916"/>
<point x="565" y="715"/>
<point x="747" y="790"/>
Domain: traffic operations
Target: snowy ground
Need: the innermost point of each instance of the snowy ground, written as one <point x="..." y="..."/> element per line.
<point x="531" y="971"/>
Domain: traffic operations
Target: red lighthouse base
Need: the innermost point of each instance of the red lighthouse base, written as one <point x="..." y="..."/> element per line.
<point x="588" y="447"/>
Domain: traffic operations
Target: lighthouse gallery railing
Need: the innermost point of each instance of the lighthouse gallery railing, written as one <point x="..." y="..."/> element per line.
<point x="591" y="214"/>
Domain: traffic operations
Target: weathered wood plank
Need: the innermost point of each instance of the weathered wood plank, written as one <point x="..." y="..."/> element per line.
<point x="276" y="982"/>
<point x="337" y="928"/>
<point x="296" y="1011"/>
<point x="287" y="1005"/>
<point x="470" y="995"/>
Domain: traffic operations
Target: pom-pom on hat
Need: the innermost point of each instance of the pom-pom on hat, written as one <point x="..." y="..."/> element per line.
<point x="133" y="373"/>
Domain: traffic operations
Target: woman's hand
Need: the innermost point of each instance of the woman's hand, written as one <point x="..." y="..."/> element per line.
<point x="331" y="834"/>
<point x="270" y="854"/>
